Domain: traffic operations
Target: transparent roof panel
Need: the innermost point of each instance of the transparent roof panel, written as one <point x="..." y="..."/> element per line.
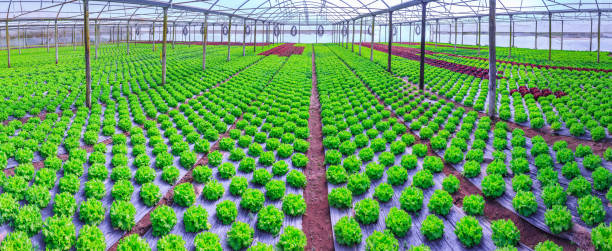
<point x="304" y="12"/>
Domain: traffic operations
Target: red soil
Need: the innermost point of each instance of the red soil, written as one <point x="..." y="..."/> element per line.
<point x="506" y="61"/>
<point x="284" y="50"/>
<point x="200" y="43"/>
<point x="441" y="45"/>
<point x="414" y="54"/>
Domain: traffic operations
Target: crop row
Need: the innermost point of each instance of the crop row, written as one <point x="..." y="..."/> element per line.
<point x="359" y="133"/>
<point x="580" y="113"/>
<point x="135" y="99"/>
<point x="531" y="159"/>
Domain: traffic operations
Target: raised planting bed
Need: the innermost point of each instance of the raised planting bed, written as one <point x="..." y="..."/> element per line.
<point x="112" y="166"/>
<point x="482" y="151"/>
<point x="580" y="114"/>
<point x="375" y="184"/>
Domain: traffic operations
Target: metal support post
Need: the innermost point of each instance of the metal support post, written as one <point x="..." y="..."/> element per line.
<point x="492" y="60"/>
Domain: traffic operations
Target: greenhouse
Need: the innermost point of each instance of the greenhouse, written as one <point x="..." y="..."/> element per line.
<point x="378" y="125"/>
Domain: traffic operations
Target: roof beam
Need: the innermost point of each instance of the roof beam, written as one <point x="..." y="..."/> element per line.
<point x="392" y="8"/>
<point x="177" y="7"/>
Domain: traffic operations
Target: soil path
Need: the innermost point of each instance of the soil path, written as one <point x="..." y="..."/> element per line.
<point x="316" y="223"/>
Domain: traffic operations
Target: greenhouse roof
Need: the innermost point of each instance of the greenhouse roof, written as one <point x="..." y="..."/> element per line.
<point x="294" y="12"/>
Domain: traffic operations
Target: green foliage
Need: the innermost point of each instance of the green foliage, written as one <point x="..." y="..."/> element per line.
<point x="296" y="179"/>
<point x="570" y="170"/>
<point x="497" y="167"/>
<point x="554" y="195"/>
<point x="579" y="187"/>
<point x="65" y="204"/>
<point x="337" y="174"/>
<point x="163" y="220"/>
<point x="398" y="221"/>
<point x="352" y="164"/>
<point x="601" y="236"/>
<point x="240" y="235"/>
<point x="493" y="186"/>
<point x="423" y="179"/>
<point x="409" y="161"/>
<point x="226" y="170"/>
<point x="8" y="207"/>
<point x="367" y="211"/>
<point x="432" y="227"/>
<point x="238" y="185"/>
<point x="294" y="205"/>
<point x="347" y="231"/>
<point x="207" y="241"/>
<point x="91" y="212"/>
<point x="270" y="220"/>
<point x="150" y="194"/>
<point x="411" y="199"/>
<point x="16" y="241"/>
<point x="144" y="174"/>
<point x="261" y="176"/>
<point x="558" y="219"/>
<point x="95" y="189"/>
<point x="548" y="246"/>
<point x="453" y="155"/>
<point x="358" y="183"/>
<point x="468" y="231"/>
<point x="122" y="215"/>
<point x="184" y="195"/>
<point x="299" y="160"/>
<point x="440" y="202"/>
<point x="340" y="197"/>
<point x="602" y="179"/>
<point x="252" y="200"/>
<point x="450" y="183"/>
<point x="133" y="242"/>
<point x="473" y="204"/>
<point x="379" y="241"/>
<point x="420" y="150"/>
<point x="122" y="190"/>
<point x="195" y="219"/>
<point x="69" y="183"/>
<point x="170" y="174"/>
<point x="525" y="203"/>
<point x="213" y="190"/>
<point x="280" y="168"/>
<point x="59" y="233"/>
<point x="505" y="233"/>
<point x="591" y="210"/>
<point x="28" y="220"/>
<point x="275" y="189"/>
<point x="90" y="238"/>
<point x="383" y="192"/>
<point x="292" y="239"/>
<point x="397" y="175"/>
<point x="38" y="196"/>
<point x="591" y="162"/>
<point x="226" y="212"/>
<point x="170" y="242"/>
<point x="521" y="182"/>
<point x="471" y="169"/>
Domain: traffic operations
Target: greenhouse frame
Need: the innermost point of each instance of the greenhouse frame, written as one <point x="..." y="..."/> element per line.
<point x="306" y="125"/>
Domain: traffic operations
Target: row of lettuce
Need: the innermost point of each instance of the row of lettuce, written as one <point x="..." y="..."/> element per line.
<point x="451" y="136"/>
<point x="160" y="137"/>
